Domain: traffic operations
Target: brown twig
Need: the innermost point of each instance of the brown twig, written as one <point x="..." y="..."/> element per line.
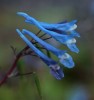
<point x="11" y="69"/>
<point x="18" y="56"/>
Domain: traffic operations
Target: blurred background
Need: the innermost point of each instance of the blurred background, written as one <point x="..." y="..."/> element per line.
<point x="78" y="83"/>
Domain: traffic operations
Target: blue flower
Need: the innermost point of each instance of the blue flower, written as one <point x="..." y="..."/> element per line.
<point x="64" y="32"/>
<point x="54" y="67"/>
<point x="65" y="58"/>
<point x="62" y="38"/>
<point x="63" y="27"/>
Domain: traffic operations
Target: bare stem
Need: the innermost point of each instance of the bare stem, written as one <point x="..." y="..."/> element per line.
<point x="23" y="74"/>
<point x="18" y="56"/>
<point x="42" y="35"/>
<point x="37" y="34"/>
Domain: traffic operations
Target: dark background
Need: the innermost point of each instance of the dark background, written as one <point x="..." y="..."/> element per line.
<point x="78" y="83"/>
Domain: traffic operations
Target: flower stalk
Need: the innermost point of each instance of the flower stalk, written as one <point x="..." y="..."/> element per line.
<point x="17" y="58"/>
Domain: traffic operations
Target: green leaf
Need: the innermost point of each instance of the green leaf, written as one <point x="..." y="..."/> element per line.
<point x="36" y="79"/>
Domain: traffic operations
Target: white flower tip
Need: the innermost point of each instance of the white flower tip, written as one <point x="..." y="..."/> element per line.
<point x="20" y="13"/>
<point x="71" y="41"/>
<point x="65" y="56"/>
<point x="67" y="61"/>
<point x="73" y="27"/>
<point x="55" y="67"/>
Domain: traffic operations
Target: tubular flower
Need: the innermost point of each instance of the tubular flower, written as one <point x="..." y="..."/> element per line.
<point x="67" y="62"/>
<point x="62" y="38"/>
<point x="62" y="27"/>
<point x="64" y="32"/>
<point x="54" y="67"/>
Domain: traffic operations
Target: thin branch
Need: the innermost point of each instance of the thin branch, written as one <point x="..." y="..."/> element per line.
<point x="11" y="69"/>
<point x="47" y="38"/>
<point x="18" y="56"/>
<point x="37" y="34"/>
<point x="13" y="49"/>
<point x="42" y="35"/>
<point x="23" y="74"/>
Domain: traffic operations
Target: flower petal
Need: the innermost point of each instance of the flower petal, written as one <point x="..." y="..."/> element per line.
<point x="49" y="47"/>
<point x="67" y="60"/>
<point x="47" y="60"/>
<point x="74" y="33"/>
<point x="51" y="63"/>
<point x="56" y="72"/>
<point x="59" y="37"/>
<point x="73" y="47"/>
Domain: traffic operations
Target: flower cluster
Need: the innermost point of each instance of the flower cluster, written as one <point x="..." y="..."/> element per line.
<point x="63" y="32"/>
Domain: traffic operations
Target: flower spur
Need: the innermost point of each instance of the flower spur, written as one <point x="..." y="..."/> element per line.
<point x="64" y="57"/>
<point x="63" y="32"/>
<point x="54" y="67"/>
<point x="66" y="39"/>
